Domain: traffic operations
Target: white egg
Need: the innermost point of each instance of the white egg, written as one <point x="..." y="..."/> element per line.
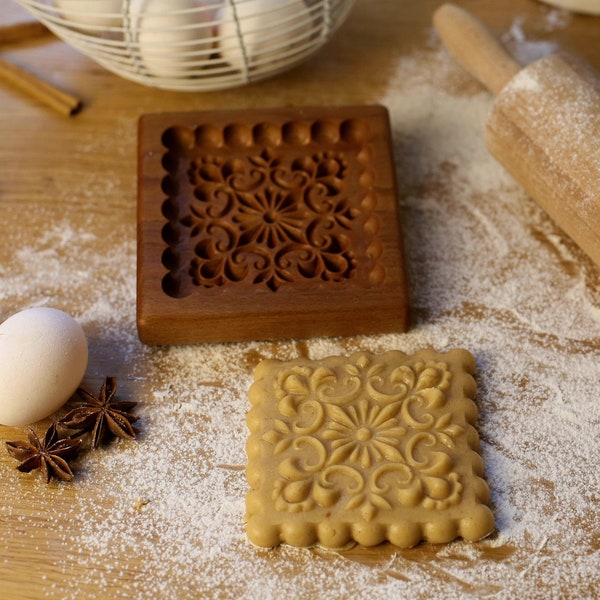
<point x="257" y="33"/>
<point x="43" y="358"/>
<point x="92" y="13"/>
<point x="174" y="37"/>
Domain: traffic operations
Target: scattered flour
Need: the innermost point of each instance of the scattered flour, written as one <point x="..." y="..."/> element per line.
<point x="488" y="271"/>
<point x="527" y="50"/>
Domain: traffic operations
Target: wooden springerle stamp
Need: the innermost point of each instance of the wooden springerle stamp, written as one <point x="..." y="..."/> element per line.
<point x="268" y="224"/>
<point x="365" y="449"/>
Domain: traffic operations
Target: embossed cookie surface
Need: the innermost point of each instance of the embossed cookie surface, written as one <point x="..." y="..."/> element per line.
<point x="268" y="224"/>
<point x="365" y="449"/>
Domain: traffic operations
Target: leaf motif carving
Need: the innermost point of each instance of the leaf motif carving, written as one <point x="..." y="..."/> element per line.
<point x="295" y="208"/>
<point x="297" y="491"/>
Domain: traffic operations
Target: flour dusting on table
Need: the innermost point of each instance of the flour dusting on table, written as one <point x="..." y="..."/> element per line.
<point x="489" y="272"/>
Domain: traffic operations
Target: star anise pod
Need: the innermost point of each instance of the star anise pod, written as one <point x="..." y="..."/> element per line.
<point x="101" y="415"/>
<point x="49" y="454"/>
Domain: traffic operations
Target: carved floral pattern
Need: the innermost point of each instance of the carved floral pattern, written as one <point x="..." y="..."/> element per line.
<point x="370" y="435"/>
<point x="270" y="220"/>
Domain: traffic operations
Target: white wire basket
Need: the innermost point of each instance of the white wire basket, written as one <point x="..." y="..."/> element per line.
<point x="193" y="45"/>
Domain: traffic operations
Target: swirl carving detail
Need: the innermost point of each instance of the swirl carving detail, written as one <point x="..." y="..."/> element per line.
<point x="272" y="215"/>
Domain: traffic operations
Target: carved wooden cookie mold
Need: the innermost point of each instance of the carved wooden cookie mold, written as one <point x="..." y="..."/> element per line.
<point x="268" y="224"/>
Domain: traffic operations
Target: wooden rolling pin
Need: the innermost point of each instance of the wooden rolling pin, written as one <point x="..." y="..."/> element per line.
<point x="544" y="127"/>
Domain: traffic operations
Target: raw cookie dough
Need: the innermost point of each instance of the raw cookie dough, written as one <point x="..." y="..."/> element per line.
<point x="365" y="449"/>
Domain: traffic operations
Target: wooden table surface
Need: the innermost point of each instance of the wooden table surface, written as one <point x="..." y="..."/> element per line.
<point x="67" y="225"/>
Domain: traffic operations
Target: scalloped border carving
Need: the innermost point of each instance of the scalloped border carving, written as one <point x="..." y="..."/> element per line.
<point x="267" y="205"/>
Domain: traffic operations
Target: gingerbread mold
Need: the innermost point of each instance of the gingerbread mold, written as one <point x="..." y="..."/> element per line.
<point x="268" y="224"/>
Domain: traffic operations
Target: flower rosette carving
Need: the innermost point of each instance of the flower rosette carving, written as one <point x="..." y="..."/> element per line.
<point x="373" y="436"/>
<point x="271" y="220"/>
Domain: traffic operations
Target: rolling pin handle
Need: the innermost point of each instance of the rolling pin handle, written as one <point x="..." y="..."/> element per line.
<point x="474" y="47"/>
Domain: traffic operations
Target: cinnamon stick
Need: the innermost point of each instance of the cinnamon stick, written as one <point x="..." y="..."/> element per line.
<point x="18" y="32"/>
<point x="62" y="102"/>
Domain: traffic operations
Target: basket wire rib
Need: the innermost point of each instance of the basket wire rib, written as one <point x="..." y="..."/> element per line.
<point x="216" y="44"/>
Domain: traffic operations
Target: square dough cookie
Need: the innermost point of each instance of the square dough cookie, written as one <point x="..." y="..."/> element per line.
<point x="364" y="449"/>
